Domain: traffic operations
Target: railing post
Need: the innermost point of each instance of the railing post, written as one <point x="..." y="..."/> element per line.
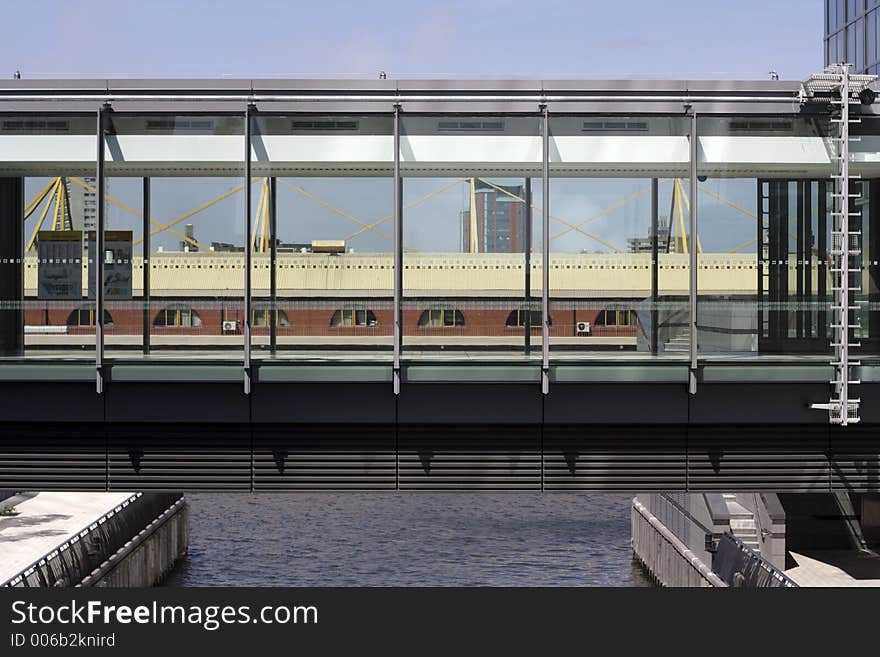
<point x="694" y="259"/>
<point x="98" y="256"/>
<point x="398" y="254"/>
<point x="247" y="249"/>
<point x="545" y="257"/>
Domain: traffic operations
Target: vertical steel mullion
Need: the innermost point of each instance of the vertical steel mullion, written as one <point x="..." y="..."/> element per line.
<point x="398" y="254"/>
<point x="799" y="268"/>
<point x="98" y="256"/>
<point x="247" y="250"/>
<point x="273" y="261"/>
<point x="527" y="338"/>
<point x="694" y="260"/>
<point x="545" y="258"/>
<point x="146" y="265"/>
<point x="655" y="248"/>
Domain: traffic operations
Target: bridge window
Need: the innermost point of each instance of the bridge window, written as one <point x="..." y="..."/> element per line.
<point x="615" y="317"/>
<point x="260" y="317"/>
<point x="354" y="317"/>
<point x="519" y="316"/>
<point x="436" y="317"/>
<point x="85" y="316"/>
<point x="177" y="315"/>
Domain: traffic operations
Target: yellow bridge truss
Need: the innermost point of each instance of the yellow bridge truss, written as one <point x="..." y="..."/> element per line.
<point x="55" y="195"/>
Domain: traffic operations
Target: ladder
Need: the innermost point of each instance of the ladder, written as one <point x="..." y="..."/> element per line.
<point x="846" y="245"/>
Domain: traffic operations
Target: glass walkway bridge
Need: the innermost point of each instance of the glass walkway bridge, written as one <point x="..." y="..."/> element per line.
<point x="288" y="284"/>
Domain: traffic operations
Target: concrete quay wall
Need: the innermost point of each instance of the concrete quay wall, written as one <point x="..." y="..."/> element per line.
<point x="150" y="555"/>
<point x="92" y="539"/>
<point x="668" y="560"/>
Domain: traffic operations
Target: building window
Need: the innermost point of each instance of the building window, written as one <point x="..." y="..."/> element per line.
<point x="177" y="315"/>
<point x="614" y="317"/>
<point x="517" y="318"/>
<point x="437" y="317"/>
<point x="260" y="317"/>
<point x="85" y="316"/>
<point x="353" y="317"/>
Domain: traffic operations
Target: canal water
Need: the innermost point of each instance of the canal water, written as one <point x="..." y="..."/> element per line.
<point x="409" y="539"/>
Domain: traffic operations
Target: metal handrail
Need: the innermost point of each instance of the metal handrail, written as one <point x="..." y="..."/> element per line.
<point x="754" y="558"/>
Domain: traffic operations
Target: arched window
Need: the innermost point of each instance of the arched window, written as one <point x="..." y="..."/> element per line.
<point x="261" y="314"/>
<point x="517" y="318"/>
<point x="177" y="314"/>
<point x="438" y="317"/>
<point x="85" y="316"/>
<point x="615" y="317"/>
<point x="354" y="317"/>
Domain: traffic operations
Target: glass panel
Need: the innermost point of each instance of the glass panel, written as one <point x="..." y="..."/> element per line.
<point x="608" y="293"/>
<point x="854" y="8"/>
<point x="858" y="56"/>
<point x="866" y="155"/>
<point x="871" y="39"/>
<point x="194" y="166"/>
<point x="764" y="235"/>
<point x="333" y="262"/>
<point x="44" y="268"/>
<point x="466" y="232"/>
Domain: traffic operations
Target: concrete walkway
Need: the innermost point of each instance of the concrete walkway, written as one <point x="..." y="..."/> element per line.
<point x="844" y="568"/>
<point x="46" y="521"/>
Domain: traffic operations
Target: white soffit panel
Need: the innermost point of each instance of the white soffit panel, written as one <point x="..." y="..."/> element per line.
<point x="323" y="148"/>
<point x="620" y="151"/>
<point x="474" y="149"/>
<point x="755" y="152"/>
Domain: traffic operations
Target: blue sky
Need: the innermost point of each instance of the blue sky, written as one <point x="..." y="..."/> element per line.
<point x="548" y="38"/>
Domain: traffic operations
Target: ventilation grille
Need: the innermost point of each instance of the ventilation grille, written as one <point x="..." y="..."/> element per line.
<point x="769" y="458"/>
<point x="347" y="125"/>
<point x="325" y="458"/>
<point x="470" y="126"/>
<point x="760" y="126"/>
<point x="615" y="126"/>
<point x="181" y="125"/>
<point x="35" y="125"/>
<point x="614" y="458"/>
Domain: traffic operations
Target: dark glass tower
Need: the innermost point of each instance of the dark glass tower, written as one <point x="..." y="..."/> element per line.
<point x="852" y="33"/>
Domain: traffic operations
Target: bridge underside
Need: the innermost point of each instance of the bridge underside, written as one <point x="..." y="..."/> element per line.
<point x="306" y="436"/>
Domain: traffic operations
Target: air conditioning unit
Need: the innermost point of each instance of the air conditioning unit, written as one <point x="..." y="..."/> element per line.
<point x="582" y="328"/>
<point x="230" y="326"/>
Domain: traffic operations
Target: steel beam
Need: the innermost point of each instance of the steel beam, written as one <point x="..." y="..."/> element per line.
<point x="146" y="265"/>
<point x="693" y="290"/>
<point x="545" y="257"/>
<point x="398" y="254"/>
<point x="97" y="257"/>
<point x="247" y="249"/>
<point x="655" y="210"/>
<point x="528" y="268"/>
<point x="273" y="261"/>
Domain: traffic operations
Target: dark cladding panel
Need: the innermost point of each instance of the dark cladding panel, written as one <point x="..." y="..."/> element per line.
<point x="616" y="403"/>
<point x="469" y="403"/>
<point x="318" y="403"/>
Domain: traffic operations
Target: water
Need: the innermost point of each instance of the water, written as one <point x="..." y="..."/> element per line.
<point x="407" y="539"/>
